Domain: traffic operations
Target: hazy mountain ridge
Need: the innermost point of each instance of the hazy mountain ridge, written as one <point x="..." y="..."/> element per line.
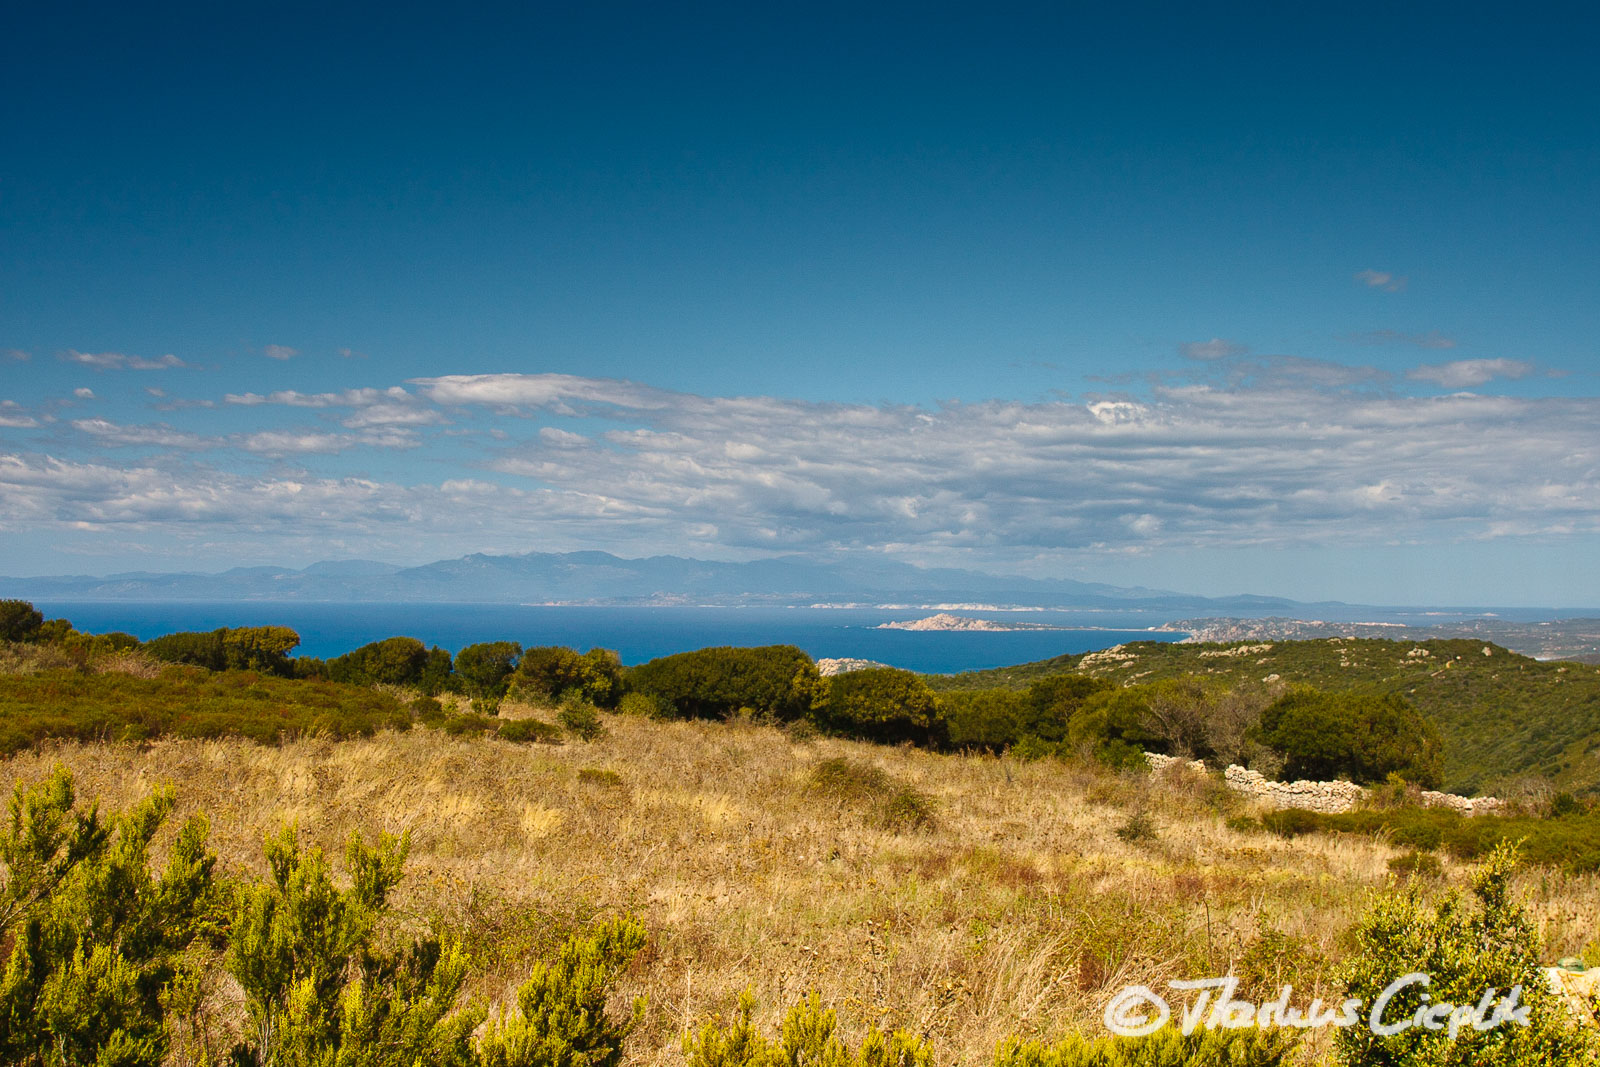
<point x="601" y="578"/>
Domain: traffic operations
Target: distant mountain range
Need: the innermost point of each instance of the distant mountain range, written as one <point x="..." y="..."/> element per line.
<point x="599" y="578"/>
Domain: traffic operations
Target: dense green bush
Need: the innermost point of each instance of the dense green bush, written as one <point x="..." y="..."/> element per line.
<point x="1571" y="842"/>
<point x="1465" y="950"/>
<point x="1363" y="735"/>
<point x="393" y="661"/>
<point x="580" y="718"/>
<point x="808" y="1038"/>
<point x="245" y="648"/>
<point x="530" y="731"/>
<point x="778" y="680"/>
<point x="19" y="621"/>
<point x="185" y="702"/>
<point x="549" y="671"/>
<point x="1167" y="1047"/>
<point x="882" y="704"/>
<point x="94" y="943"/>
<point x="484" y="670"/>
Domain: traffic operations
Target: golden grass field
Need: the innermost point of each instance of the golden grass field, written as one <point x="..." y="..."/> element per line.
<point x="1019" y="911"/>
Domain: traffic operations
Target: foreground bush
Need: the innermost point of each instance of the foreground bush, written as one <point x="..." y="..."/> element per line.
<point x="245" y="648"/>
<point x="1168" y="1047"/>
<point x="1467" y="951"/>
<point x="94" y="941"/>
<point x="808" y="1039"/>
<point x="873" y="792"/>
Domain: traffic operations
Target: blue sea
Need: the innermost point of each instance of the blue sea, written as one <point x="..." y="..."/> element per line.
<point x="636" y="633"/>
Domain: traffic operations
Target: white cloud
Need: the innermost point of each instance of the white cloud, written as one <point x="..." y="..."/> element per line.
<point x="13" y="417"/>
<point x="280" y="352"/>
<point x="1216" y="348"/>
<point x="1431" y="339"/>
<point x="16" y="355"/>
<point x="554" y="392"/>
<point x="1289" y="455"/>
<point x="1466" y="373"/>
<point x="83" y="394"/>
<point x="106" y="432"/>
<point x="120" y="361"/>
<point x="1381" y="279"/>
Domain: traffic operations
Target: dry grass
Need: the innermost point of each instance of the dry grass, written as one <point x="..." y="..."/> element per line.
<point x="1018" y="912"/>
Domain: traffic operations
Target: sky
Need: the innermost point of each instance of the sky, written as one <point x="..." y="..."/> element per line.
<point x="1210" y="298"/>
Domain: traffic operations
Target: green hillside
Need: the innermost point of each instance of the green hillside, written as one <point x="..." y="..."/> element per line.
<point x="1500" y="714"/>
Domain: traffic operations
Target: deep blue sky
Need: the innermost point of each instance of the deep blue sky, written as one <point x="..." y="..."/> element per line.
<point x="1283" y="237"/>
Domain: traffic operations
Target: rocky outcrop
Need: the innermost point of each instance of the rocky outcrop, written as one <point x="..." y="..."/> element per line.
<point x="830" y="667"/>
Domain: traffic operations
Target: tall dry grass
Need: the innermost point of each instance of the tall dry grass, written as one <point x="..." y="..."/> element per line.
<point x="1018" y="910"/>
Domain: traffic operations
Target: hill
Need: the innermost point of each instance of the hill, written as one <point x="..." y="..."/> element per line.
<point x="1500" y="714"/>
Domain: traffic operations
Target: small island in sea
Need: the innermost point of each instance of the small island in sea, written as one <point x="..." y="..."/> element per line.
<point x="947" y="623"/>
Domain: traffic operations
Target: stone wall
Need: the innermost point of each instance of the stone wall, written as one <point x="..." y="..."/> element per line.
<point x="1331" y="797"/>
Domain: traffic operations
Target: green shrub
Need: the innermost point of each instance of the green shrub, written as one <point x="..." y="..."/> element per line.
<point x="1465" y="950"/>
<point x="549" y="671"/>
<point x="392" y="661"/>
<point x="885" y="800"/>
<point x="185" y="702"/>
<point x="19" y="621"/>
<point x="1292" y="822"/>
<point x="245" y="648"/>
<point x="484" y="670"/>
<point x="1167" y="1047"/>
<point x="1365" y="736"/>
<point x="561" y="1018"/>
<point x="808" y="1039"/>
<point x="319" y="990"/>
<point x="1415" y="864"/>
<point x="468" y="723"/>
<point x="93" y="940"/>
<point x="714" y="683"/>
<point x="580" y="718"/>
<point x="530" y="731"/>
<point x="882" y="704"/>
<point x="641" y="704"/>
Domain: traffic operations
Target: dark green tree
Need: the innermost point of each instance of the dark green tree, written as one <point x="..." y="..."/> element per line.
<point x="484" y="670"/>
<point x="882" y="704"/>
<point x="1362" y="735"/>
<point x="19" y="621"/>
<point x="778" y="680"/>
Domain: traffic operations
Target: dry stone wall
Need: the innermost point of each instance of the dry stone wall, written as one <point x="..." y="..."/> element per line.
<point x="1329" y="797"/>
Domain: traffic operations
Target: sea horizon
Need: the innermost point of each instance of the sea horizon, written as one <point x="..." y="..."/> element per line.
<point x="636" y="633"/>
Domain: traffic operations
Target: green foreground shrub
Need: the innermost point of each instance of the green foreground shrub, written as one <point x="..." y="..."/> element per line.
<point x="808" y="1038"/>
<point x="1466" y="950"/>
<point x="1168" y="1047"/>
<point x="713" y="683"/>
<point x="94" y="942"/>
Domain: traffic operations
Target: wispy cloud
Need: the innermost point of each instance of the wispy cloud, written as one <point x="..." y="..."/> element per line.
<point x="1466" y="373"/>
<point x="16" y="355"/>
<point x="14" y="417"/>
<point x="281" y="352"/>
<point x="1431" y="339"/>
<point x="1381" y="279"/>
<point x="120" y="361"/>
<point x="83" y="393"/>
<point x="1295" y="452"/>
<point x="1216" y="348"/>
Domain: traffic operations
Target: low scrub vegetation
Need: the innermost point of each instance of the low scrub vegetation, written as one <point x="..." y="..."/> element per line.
<point x="186" y="702"/>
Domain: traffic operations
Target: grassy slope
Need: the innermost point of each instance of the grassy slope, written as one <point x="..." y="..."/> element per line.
<point x="1020" y="911"/>
<point x="1501" y="714"/>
